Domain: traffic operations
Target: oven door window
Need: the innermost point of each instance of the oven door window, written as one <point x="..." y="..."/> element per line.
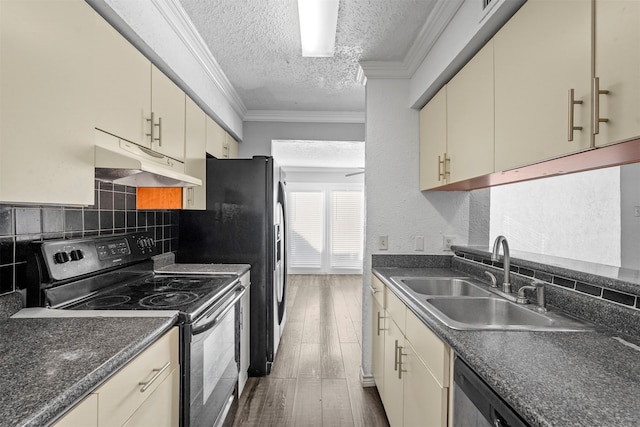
<point x="214" y="371"/>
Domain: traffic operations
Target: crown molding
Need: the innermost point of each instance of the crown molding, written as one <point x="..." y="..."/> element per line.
<point x="442" y="13"/>
<point x="304" y="116"/>
<point x="181" y="24"/>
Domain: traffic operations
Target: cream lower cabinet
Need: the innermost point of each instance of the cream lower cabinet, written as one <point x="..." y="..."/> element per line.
<point x="195" y="162"/>
<point x="617" y="67"/>
<point x="540" y="54"/>
<point x="145" y="392"/>
<point x="46" y="82"/>
<point x="415" y="366"/>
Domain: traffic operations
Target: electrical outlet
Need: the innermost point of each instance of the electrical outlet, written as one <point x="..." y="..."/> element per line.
<point x="419" y="243"/>
<point x="447" y="242"/>
<point x="383" y="243"/>
<point x="636" y="211"/>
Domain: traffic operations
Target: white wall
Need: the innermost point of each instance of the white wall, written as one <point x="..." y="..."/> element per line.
<point x="573" y="216"/>
<point x="258" y="135"/>
<point x="394" y="205"/>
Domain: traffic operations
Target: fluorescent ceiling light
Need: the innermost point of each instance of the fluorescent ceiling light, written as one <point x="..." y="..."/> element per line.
<point x="318" y="22"/>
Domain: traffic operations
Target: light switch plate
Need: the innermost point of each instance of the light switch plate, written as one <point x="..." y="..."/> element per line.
<point x="383" y="243"/>
<point x="419" y="243"/>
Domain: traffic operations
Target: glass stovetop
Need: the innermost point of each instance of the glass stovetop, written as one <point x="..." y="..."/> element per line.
<point x="187" y="294"/>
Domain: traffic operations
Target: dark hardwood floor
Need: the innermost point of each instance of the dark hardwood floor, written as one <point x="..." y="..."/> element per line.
<point x="315" y="380"/>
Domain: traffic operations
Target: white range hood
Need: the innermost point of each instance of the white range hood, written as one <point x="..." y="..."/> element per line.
<point x="125" y="163"/>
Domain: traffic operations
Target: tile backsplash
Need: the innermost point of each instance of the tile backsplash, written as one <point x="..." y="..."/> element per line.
<point x="114" y="213"/>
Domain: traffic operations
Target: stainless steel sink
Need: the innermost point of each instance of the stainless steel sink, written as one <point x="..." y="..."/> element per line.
<point x="497" y="314"/>
<point x="442" y="286"/>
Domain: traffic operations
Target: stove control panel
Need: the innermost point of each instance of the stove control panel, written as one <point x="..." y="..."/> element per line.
<point x="66" y="259"/>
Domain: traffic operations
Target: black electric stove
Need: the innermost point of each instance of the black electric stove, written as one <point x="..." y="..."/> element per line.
<point x="116" y="273"/>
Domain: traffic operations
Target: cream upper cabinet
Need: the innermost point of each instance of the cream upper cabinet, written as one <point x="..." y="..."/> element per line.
<point x="123" y="79"/>
<point x="542" y="53"/>
<point x="168" y="109"/>
<point x="231" y="147"/>
<point x="617" y="66"/>
<point x="470" y="118"/>
<point x="47" y="102"/>
<point x="195" y="162"/>
<point x="135" y="101"/>
<point x="216" y="138"/>
<point x="433" y="141"/>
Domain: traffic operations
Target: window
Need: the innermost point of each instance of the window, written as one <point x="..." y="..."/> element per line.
<point x="326" y="223"/>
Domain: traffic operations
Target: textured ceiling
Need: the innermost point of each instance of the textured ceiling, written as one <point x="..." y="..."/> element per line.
<point x="257" y="45"/>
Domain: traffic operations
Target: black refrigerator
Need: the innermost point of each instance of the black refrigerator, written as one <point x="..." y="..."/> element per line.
<point x="245" y="223"/>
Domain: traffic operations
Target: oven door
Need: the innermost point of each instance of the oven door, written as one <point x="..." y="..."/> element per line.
<point x="213" y="364"/>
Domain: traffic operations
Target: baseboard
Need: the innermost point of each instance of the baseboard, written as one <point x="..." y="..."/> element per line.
<point x="366" y="380"/>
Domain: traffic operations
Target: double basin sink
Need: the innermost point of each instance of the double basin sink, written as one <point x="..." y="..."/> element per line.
<point x="462" y="303"/>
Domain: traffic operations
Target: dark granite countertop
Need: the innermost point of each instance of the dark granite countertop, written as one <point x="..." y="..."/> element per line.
<point x="50" y="364"/>
<point x="549" y="378"/>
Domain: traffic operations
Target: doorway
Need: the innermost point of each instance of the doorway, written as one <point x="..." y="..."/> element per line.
<point x="325" y="205"/>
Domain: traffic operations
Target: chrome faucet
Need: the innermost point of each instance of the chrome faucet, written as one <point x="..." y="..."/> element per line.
<point x="541" y="299"/>
<point x="506" y="284"/>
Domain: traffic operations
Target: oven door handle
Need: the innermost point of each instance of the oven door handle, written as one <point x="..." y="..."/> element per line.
<point x="198" y="329"/>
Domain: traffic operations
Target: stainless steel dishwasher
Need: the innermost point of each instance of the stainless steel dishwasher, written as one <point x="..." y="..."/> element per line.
<point x="475" y="404"/>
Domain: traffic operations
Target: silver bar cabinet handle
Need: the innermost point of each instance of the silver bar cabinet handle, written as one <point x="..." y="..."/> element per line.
<point x="152" y="125"/>
<point x="572" y="103"/>
<point x="159" y="138"/>
<point x="596" y="105"/>
<point x="440" y="173"/>
<point x="379" y="328"/>
<point x="158" y="372"/>
<point x="400" y="356"/>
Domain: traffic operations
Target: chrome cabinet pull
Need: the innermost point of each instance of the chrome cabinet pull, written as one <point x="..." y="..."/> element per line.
<point x="158" y="372"/>
<point x="373" y="290"/>
<point x="152" y="125"/>
<point x="440" y="165"/>
<point x="190" y="196"/>
<point x="395" y="359"/>
<point x="596" y="105"/>
<point x="400" y="356"/>
<point x="379" y="328"/>
<point x="159" y="139"/>
<point x="572" y="103"/>
<point x="447" y="166"/>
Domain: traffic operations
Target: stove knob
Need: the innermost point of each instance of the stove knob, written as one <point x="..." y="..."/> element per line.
<point x="61" y="257"/>
<point x="76" y="255"/>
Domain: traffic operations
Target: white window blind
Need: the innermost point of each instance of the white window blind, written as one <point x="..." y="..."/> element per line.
<point x="346" y="229"/>
<point x="306" y="230"/>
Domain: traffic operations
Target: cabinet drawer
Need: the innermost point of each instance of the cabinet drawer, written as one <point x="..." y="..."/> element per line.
<point x="378" y="290"/>
<point x="121" y="395"/>
<point x="433" y="352"/>
<point x="396" y="309"/>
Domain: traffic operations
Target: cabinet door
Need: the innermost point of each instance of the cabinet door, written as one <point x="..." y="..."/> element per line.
<point x="162" y="407"/>
<point x="470" y="118"/>
<point x="168" y="106"/>
<point x="392" y="394"/>
<point x="123" y="79"/>
<point x="378" y="322"/>
<point x="215" y="139"/>
<point x="617" y="56"/>
<point x="425" y="401"/>
<point x="435" y="354"/>
<point x="232" y="147"/>
<point x="46" y="127"/>
<point x="84" y="414"/>
<point x="433" y="141"/>
<point x="195" y="162"/>
<point x="540" y="54"/>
